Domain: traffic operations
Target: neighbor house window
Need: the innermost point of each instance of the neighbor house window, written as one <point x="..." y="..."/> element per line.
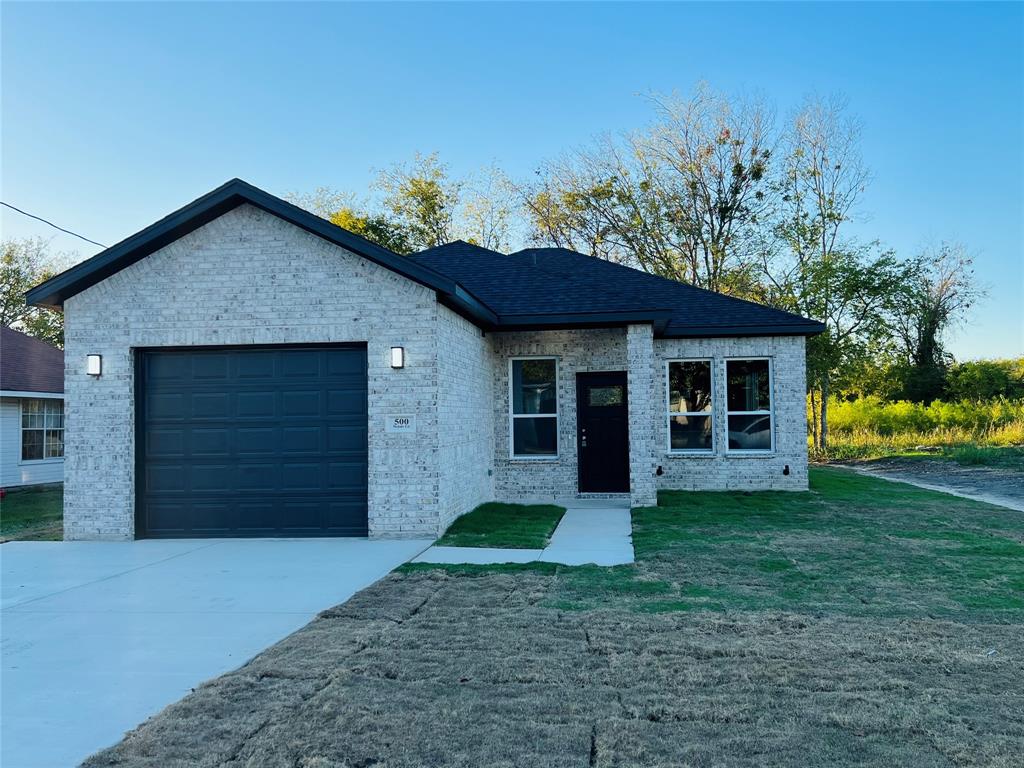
<point x="689" y="406"/>
<point x="534" y="405"/>
<point x="749" y="404"/>
<point x="42" y="429"/>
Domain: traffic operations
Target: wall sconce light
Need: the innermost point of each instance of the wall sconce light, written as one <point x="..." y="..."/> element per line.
<point x="398" y="357"/>
<point x="94" y="364"/>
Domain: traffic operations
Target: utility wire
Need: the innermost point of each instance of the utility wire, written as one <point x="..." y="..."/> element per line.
<point x="50" y="223"/>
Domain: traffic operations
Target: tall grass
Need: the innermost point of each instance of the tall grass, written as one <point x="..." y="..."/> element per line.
<point x="869" y="427"/>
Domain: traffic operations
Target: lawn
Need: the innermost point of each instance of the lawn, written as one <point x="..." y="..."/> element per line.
<point x="32" y="515"/>
<point x="515" y="526"/>
<point x="861" y="623"/>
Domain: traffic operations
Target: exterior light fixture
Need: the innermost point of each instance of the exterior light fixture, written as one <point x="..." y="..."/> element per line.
<point x="398" y="357"/>
<point x="94" y="364"/>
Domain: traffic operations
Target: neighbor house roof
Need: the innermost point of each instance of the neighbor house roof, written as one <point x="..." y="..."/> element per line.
<point x="557" y="282"/>
<point x="28" y="364"/>
<point x="534" y="288"/>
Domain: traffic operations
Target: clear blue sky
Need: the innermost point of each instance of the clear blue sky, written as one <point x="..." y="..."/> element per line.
<point x="115" y="114"/>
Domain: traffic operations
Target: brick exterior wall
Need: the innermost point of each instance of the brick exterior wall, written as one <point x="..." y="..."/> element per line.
<point x="642" y="413"/>
<point x="465" y="416"/>
<point x="249" y="277"/>
<point x="722" y="471"/>
<point x="577" y="351"/>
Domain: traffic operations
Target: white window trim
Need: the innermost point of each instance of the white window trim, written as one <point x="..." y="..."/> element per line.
<point x="770" y="412"/>
<point x="21" y="428"/>
<point x="513" y="416"/>
<point x="668" y="409"/>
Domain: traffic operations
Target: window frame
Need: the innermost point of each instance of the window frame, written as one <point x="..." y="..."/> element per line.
<point x="670" y="413"/>
<point x="770" y="413"/>
<point x="513" y="456"/>
<point x="22" y="429"/>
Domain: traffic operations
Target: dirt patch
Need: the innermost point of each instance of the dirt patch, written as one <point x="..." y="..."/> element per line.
<point x="436" y="668"/>
<point x="995" y="485"/>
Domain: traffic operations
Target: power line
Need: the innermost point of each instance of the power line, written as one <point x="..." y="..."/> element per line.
<point x="50" y="223"/>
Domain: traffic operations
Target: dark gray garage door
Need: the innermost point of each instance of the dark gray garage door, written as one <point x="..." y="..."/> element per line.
<point x="252" y="442"/>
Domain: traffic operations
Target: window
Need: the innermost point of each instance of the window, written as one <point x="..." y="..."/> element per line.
<point x="689" y="406"/>
<point x="534" y="405"/>
<point x="42" y="429"/>
<point x="749" y="404"/>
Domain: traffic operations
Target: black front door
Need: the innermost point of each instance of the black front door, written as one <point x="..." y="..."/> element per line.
<point x="602" y="432"/>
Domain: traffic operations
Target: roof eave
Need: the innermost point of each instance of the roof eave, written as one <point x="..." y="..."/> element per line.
<point x="808" y="328"/>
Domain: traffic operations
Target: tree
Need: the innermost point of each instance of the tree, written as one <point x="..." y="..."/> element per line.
<point x="377" y="228"/>
<point x="422" y="199"/>
<point x="679" y="200"/>
<point x="489" y="210"/>
<point x="25" y="264"/>
<point x="810" y="267"/>
<point x="986" y="379"/>
<point x="942" y="292"/>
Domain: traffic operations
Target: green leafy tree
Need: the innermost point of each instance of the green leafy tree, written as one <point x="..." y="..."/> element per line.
<point x="942" y="292"/>
<point x="423" y="200"/>
<point x="986" y="379"/>
<point x="377" y="228"/>
<point x="25" y="264"/>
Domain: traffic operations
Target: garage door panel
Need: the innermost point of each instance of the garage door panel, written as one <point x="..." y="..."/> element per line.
<point x="301" y="439"/>
<point x="256" y="440"/>
<point x="300" y="404"/>
<point x="260" y="405"/>
<point x="210" y="442"/>
<point x="209" y="367"/>
<point x="210" y="405"/>
<point x="253" y="442"/>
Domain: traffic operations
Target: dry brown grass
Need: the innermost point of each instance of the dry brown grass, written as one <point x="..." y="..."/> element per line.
<point x="435" y="668"/>
<point x="865" y="623"/>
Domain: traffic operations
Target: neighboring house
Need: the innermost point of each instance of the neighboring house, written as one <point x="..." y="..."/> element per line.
<point x="31" y="411"/>
<point x="258" y="371"/>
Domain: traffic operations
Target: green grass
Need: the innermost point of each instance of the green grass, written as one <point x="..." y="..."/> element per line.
<point x="506" y="526"/>
<point x="32" y="515"/>
<point x="852" y="545"/>
<point x="969" y="454"/>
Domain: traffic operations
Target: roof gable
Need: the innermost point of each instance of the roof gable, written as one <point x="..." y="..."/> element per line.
<point x="55" y="291"/>
<point x="28" y="364"/>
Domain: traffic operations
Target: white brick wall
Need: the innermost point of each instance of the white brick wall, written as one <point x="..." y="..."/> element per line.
<point x="465" y="416"/>
<point x="726" y="472"/>
<point x="577" y="351"/>
<point x="250" y="278"/>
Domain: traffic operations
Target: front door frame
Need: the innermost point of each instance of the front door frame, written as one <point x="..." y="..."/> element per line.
<point x="584" y="483"/>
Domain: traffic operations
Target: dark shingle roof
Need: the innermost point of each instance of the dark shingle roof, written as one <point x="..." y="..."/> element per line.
<point x="29" y="365"/>
<point x="557" y="281"/>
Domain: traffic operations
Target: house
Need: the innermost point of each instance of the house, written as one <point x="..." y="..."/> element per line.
<point x="245" y="368"/>
<point x="31" y="411"/>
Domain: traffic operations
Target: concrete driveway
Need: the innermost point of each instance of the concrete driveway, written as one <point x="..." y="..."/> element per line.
<point x="98" y="636"/>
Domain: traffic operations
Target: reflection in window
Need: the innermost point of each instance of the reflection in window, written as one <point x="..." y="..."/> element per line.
<point x="42" y="429"/>
<point x="534" y="399"/>
<point x="748" y="398"/>
<point x="689" y="406"/>
<point x="604" y="396"/>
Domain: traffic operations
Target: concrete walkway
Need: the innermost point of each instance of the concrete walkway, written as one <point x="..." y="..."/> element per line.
<point x="599" y="535"/>
<point x="99" y="636"/>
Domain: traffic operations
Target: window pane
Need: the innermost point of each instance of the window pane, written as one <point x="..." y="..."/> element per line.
<point x="689" y="386"/>
<point x="54" y="443"/>
<point x="32" y="406"/>
<point x="748" y="388"/>
<point x="32" y="421"/>
<point x="599" y="396"/>
<point x="535" y="437"/>
<point x="31" y="444"/>
<point x="690" y="433"/>
<point x="533" y="386"/>
<point x="750" y="433"/>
